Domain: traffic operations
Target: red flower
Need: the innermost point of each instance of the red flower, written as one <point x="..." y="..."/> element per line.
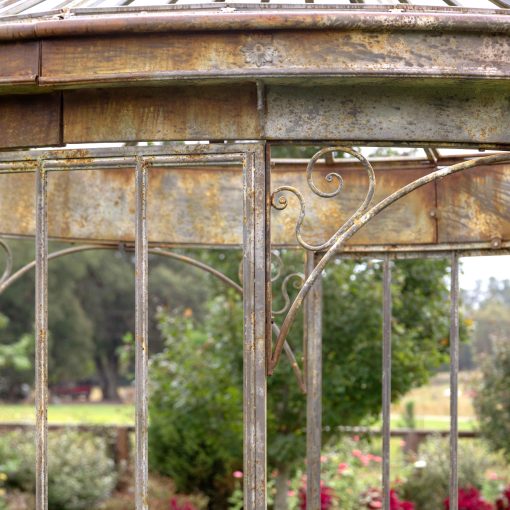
<point x="326" y="498"/>
<point x="176" y="505"/>
<point x="470" y="499"/>
<point x="503" y="502"/>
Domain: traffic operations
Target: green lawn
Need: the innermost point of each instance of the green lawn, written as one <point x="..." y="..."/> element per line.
<point x="124" y="414"/>
<point x="95" y="414"/>
<point x="437" y="422"/>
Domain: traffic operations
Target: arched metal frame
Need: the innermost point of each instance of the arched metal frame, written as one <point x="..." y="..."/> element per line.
<point x="312" y="74"/>
<point x="311" y="381"/>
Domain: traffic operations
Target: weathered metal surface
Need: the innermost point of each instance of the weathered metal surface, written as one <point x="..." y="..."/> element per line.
<point x="414" y="112"/>
<point x="203" y="205"/>
<point x="240" y="16"/>
<point x="255" y="271"/>
<point x="474" y="206"/>
<point x="41" y="341"/>
<point x="30" y="121"/>
<point x="454" y="385"/>
<point x="227" y="54"/>
<point x="360" y="113"/>
<point x="313" y="317"/>
<point x="152" y="113"/>
<point x="341" y="236"/>
<point x="386" y="382"/>
<point x="19" y="63"/>
<point x="141" y="336"/>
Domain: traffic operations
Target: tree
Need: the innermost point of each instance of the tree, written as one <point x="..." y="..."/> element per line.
<point x="492" y="402"/>
<point x="15" y="362"/>
<point x="352" y="367"/>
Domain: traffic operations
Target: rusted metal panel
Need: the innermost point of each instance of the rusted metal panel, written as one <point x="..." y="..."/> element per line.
<point x="19" y="63"/>
<point x="203" y="205"/>
<point x="413" y="112"/>
<point x="407" y="221"/>
<point x="29" y="121"/>
<point x="473" y="206"/>
<point x="226" y="54"/>
<point x="154" y="113"/>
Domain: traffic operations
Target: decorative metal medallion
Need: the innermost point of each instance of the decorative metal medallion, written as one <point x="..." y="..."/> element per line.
<point x="261" y="54"/>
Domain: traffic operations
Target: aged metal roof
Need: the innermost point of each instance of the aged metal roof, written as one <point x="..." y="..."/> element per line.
<point x="30" y="8"/>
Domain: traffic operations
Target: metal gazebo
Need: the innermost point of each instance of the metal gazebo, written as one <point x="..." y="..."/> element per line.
<point x="152" y="124"/>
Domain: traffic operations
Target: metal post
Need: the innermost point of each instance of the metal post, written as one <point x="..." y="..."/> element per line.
<point x="141" y="336"/>
<point x="41" y="339"/>
<point x="454" y="372"/>
<point x="313" y="318"/>
<point x="255" y="261"/>
<point x="386" y="382"/>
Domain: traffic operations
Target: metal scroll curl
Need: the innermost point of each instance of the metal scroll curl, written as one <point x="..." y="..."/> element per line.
<point x="298" y="278"/>
<point x="354" y="224"/>
<point x="279" y="201"/>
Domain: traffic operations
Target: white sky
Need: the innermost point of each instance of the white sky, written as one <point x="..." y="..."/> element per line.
<point x="483" y="268"/>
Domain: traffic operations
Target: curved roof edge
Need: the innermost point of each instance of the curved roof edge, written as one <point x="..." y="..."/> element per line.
<point x="253" y="17"/>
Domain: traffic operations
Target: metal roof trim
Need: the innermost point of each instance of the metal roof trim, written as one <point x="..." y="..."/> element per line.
<point x="227" y="17"/>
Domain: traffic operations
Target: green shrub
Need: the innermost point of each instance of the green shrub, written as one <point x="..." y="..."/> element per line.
<point x="196" y="411"/>
<point x="80" y="471"/>
<point x="427" y="484"/>
<point x="492" y="399"/>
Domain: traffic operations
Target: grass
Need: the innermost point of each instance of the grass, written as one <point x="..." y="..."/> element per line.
<point x="431" y="407"/>
<point x="93" y="414"/>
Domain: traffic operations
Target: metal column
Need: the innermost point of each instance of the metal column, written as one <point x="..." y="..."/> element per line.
<point x="313" y="343"/>
<point x="141" y="336"/>
<point x="386" y="382"/>
<point x="41" y="339"/>
<point x="454" y="373"/>
<point x="255" y="270"/>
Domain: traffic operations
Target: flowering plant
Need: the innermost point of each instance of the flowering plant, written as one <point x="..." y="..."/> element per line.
<point x="470" y="499"/>
<point x="326" y="498"/>
<point x="373" y="499"/>
<point x="176" y="504"/>
<point x="503" y="502"/>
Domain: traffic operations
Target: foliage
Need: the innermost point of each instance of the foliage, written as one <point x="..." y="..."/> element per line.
<point x="15" y="358"/>
<point x="81" y="472"/>
<point x="348" y="469"/>
<point x="186" y="409"/>
<point x="3" y="479"/>
<point x="492" y="399"/>
<point x="427" y="484"/>
<point x="195" y="430"/>
<point x="91" y="296"/>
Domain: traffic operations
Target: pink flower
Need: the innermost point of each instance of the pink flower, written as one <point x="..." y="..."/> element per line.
<point x="291" y="493"/>
<point x="357" y="453"/>
<point x="342" y="467"/>
<point x="356" y="438"/>
<point x="237" y="474"/>
<point x="376" y="458"/>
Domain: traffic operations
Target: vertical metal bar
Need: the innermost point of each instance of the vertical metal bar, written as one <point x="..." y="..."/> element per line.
<point x="141" y="335"/>
<point x="386" y="381"/>
<point x="41" y="339"/>
<point x="313" y="314"/>
<point x="454" y="372"/>
<point x="255" y="321"/>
